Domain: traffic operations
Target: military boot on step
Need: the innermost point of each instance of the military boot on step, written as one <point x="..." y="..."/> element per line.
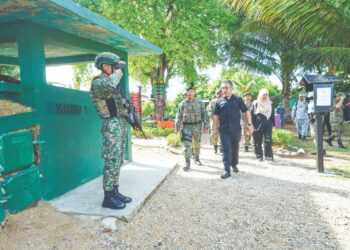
<point x="246" y="148"/>
<point x="111" y="202"/>
<point x="197" y="161"/>
<point x="340" y="144"/>
<point x="121" y="197"/>
<point x="215" y="149"/>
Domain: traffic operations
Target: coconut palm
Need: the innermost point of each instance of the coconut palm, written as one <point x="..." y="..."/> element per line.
<point x="263" y="49"/>
<point x="324" y="25"/>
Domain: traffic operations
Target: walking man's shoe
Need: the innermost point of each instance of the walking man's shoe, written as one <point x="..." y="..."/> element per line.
<point x="340" y="144"/>
<point x="215" y="149"/>
<point x="246" y="148"/>
<point x="235" y="169"/>
<point x="329" y="141"/>
<point x="225" y="175"/>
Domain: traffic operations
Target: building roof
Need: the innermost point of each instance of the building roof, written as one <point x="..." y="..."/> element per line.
<point x="70" y="17"/>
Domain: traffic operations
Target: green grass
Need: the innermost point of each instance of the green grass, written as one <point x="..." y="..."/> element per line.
<point x="336" y="159"/>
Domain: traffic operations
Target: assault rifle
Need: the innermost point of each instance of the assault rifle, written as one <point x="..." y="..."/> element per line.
<point x="131" y="118"/>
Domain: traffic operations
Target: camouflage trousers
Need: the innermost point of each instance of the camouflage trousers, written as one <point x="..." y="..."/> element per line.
<point x="337" y="130"/>
<point x="195" y="130"/>
<point x="246" y="136"/>
<point x="214" y="134"/>
<point x="113" y="147"/>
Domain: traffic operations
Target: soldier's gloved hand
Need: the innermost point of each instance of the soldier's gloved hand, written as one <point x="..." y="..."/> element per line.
<point x="118" y="71"/>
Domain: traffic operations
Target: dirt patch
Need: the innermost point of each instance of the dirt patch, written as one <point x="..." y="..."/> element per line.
<point x="43" y="227"/>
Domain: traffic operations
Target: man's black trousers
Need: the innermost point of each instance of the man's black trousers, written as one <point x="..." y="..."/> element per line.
<point x="230" y="146"/>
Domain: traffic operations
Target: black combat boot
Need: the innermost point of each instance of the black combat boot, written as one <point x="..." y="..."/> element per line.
<point x="340" y="144"/>
<point x="111" y="202"/>
<point x="215" y="149"/>
<point x="121" y="197"/>
<point x="188" y="166"/>
<point x="235" y="169"/>
<point x="197" y="161"/>
<point x="225" y="175"/>
<point x="329" y="140"/>
<point x="299" y="137"/>
<point x="246" y="148"/>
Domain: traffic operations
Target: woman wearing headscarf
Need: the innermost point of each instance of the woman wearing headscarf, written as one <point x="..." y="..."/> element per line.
<point x="263" y="120"/>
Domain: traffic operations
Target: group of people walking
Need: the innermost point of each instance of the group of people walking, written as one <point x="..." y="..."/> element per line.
<point x="304" y="119"/>
<point x="226" y="125"/>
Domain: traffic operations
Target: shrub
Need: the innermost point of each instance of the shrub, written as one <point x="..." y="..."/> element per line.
<point x="283" y="137"/>
<point x="166" y="131"/>
<point x="174" y="140"/>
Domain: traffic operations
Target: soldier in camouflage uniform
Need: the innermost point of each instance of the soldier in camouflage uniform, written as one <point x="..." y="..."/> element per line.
<point x="214" y="138"/>
<point x="109" y="105"/>
<point x="190" y="118"/>
<point x="337" y="120"/>
<point x="246" y="135"/>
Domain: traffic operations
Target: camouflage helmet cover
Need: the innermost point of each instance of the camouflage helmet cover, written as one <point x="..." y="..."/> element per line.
<point x="107" y="58"/>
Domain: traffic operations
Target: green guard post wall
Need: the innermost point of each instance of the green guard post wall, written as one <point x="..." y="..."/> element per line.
<point x="70" y="129"/>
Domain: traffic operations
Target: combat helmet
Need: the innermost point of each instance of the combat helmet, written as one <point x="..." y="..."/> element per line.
<point x="107" y="58"/>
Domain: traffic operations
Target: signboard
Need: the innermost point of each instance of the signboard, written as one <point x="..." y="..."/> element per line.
<point x="323" y="97"/>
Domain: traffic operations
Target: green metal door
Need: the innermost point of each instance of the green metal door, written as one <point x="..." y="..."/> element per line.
<point x="16" y="151"/>
<point x="22" y="189"/>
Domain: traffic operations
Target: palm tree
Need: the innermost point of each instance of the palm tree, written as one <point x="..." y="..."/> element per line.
<point x="324" y="25"/>
<point x="263" y="49"/>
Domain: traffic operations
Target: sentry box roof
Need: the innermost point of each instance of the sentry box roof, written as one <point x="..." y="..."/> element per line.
<point x="310" y="79"/>
<point x="59" y="17"/>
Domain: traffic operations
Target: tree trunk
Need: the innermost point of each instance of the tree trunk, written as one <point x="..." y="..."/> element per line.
<point x="159" y="88"/>
<point x="285" y="93"/>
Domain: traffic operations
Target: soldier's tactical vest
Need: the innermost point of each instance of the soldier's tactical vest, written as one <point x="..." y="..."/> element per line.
<point x="191" y="112"/>
<point x="109" y="105"/>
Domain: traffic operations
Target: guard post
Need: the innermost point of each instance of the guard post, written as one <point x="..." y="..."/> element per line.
<point x="319" y="90"/>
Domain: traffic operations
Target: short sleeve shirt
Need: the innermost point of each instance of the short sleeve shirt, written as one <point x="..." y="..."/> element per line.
<point x="229" y="112"/>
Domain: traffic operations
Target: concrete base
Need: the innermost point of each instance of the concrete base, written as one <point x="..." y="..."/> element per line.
<point x="138" y="179"/>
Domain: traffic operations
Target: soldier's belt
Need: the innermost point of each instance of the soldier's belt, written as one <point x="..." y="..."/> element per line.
<point x="191" y="123"/>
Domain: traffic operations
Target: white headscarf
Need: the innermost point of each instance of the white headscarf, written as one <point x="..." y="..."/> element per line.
<point x="264" y="106"/>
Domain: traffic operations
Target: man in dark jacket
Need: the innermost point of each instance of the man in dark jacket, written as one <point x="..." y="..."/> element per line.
<point x="228" y="114"/>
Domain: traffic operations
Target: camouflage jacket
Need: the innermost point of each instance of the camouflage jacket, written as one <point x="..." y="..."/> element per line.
<point x="191" y="113"/>
<point x="105" y="96"/>
<point x="243" y="117"/>
<point x="337" y="115"/>
<point x="211" y="108"/>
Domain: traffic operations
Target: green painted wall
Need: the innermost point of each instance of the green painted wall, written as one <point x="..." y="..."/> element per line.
<point x="70" y="129"/>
